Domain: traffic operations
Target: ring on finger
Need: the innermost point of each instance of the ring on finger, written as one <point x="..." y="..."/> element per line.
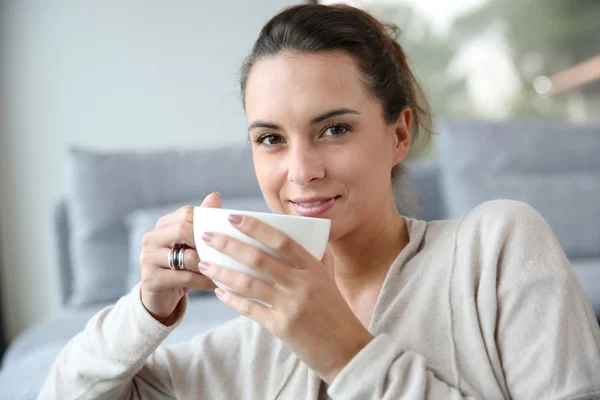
<point x="179" y="260"/>
<point x="172" y="258"/>
<point x="176" y="258"/>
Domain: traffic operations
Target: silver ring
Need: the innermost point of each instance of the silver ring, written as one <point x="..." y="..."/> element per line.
<point x="172" y="258"/>
<point x="179" y="259"/>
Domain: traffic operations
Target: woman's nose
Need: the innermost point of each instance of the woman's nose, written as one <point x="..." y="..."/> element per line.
<point x="304" y="165"/>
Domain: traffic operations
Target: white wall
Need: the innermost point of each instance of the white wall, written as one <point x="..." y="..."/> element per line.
<point x="110" y="75"/>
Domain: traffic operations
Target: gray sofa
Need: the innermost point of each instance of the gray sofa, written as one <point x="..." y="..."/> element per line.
<point x="114" y="198"/>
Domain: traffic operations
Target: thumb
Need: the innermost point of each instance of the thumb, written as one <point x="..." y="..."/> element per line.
<point x="327" y="260"/>
<point x="213" y="200"/>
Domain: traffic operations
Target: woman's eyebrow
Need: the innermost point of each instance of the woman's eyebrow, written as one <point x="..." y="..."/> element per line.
<point x="315" y="120"/>
<point x="262" y="124"/>
<point x="333" y="113"/>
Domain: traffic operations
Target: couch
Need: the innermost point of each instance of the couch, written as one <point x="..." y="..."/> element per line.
<point x="115" y="197"/>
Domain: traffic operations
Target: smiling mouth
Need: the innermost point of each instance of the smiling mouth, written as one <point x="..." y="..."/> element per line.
<point x="313" y="208"/>
<point x="311" y="202"/>
<point x="314" y="203"/>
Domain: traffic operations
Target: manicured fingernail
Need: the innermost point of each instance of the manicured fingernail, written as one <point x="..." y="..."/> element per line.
<point x="235" y="219"/>
<point x="203" y="266"/>
<point x="220" y="292"/>
<point x="208" y="236"/>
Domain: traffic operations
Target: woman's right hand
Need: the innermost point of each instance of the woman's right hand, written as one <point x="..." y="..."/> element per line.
<point x="162" y="288"/>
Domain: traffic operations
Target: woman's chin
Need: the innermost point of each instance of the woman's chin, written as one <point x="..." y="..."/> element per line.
<point x="338" y="230"/>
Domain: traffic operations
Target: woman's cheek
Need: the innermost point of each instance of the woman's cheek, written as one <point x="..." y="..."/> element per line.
<point x="272" y="190"/>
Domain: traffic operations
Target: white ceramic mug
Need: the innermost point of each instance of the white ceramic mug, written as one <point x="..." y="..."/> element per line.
<point x="310" y="233"/>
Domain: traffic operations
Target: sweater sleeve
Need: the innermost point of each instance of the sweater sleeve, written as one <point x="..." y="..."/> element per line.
<point x="547" y="335"/>
<point x="110" y="358"/>
<point x="383" y="370"/>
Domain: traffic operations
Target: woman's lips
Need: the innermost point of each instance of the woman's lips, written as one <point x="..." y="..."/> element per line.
<point x="313" y="208"/>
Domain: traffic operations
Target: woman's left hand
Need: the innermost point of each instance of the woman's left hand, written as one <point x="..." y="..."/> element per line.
<point x="308" y="311"/>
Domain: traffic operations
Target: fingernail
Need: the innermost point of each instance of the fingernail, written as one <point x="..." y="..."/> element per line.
<point x="208" y="236"/>
<point x="219" y="292"/>
<point x="235" y="219"/>
<point x="203" y="266"/>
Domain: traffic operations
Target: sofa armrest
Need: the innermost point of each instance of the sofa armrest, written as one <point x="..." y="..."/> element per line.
<point x="60" y="226"/>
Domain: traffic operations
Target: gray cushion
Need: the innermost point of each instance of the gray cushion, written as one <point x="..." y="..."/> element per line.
<point x="61" y="234"/>
<point x="588" y="272"/>
<point x="106" y="186"/>
<point x="552" y="166"/>
<point x="423" y="180"/>
<point x="144" y="220"/>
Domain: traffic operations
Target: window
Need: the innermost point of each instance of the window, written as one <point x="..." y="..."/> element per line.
<point x="501" y="59"/>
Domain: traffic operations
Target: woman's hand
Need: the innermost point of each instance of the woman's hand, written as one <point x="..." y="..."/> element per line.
<point x="308" y="312"/>
<point x="161" y="288"/>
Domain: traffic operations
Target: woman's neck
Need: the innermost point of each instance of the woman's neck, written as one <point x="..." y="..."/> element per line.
<point x="363" y="257"/>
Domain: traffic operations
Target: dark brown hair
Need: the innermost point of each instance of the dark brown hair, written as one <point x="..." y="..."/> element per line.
<point x="312" y="28"/>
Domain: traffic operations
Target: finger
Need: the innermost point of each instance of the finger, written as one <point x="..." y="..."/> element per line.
<point x="243" y="284"/>
<point x="250" y="256"/>
<point x="186" y="213"/>
<point x="160" y="258"/>
<point x="283" y="245"/>
<point x="162" y="279"/>
<point x="250" y="308"/>
<point x="213" y="200"/>
<point x="178" y="233"/>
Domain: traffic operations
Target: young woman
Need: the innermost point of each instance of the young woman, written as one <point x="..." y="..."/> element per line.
<point x="485" y="306"/>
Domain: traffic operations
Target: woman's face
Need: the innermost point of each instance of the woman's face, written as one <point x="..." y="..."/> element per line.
<point x="321" y="146"/>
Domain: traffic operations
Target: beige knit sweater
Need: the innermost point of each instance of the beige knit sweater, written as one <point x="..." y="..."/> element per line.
<point x="485" y="306"/>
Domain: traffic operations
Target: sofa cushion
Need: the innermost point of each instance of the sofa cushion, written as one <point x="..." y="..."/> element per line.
<point x="552" y="166"/>
<point x="105" y="186"/>
<point x="141" y="221"/>
<point x="423" y="184"/>
<point x="588" y="272"/>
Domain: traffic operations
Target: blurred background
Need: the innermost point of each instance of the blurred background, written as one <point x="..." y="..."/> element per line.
<point x="500" y="60"/>
<point x="127" y="75"/>
<point x="494" y="59"/>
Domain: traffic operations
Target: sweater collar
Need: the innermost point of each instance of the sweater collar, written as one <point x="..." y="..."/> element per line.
<point x="416" y="232"/>
<point x="393" y="283"/>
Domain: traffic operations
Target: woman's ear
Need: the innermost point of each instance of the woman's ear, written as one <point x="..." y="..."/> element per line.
<point x="402" y="139"/>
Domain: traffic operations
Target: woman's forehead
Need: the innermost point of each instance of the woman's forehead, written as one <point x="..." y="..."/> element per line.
<point x="304" y="81"/>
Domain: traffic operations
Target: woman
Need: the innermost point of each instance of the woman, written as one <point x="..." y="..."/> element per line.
<point x="485" y="306"/>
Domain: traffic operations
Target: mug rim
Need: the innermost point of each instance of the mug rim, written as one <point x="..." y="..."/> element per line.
<point x="258" y="213"/>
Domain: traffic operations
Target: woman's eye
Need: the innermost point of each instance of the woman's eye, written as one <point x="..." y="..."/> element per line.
<point x="335" y="130"/>
<point x="269" y="140"/>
